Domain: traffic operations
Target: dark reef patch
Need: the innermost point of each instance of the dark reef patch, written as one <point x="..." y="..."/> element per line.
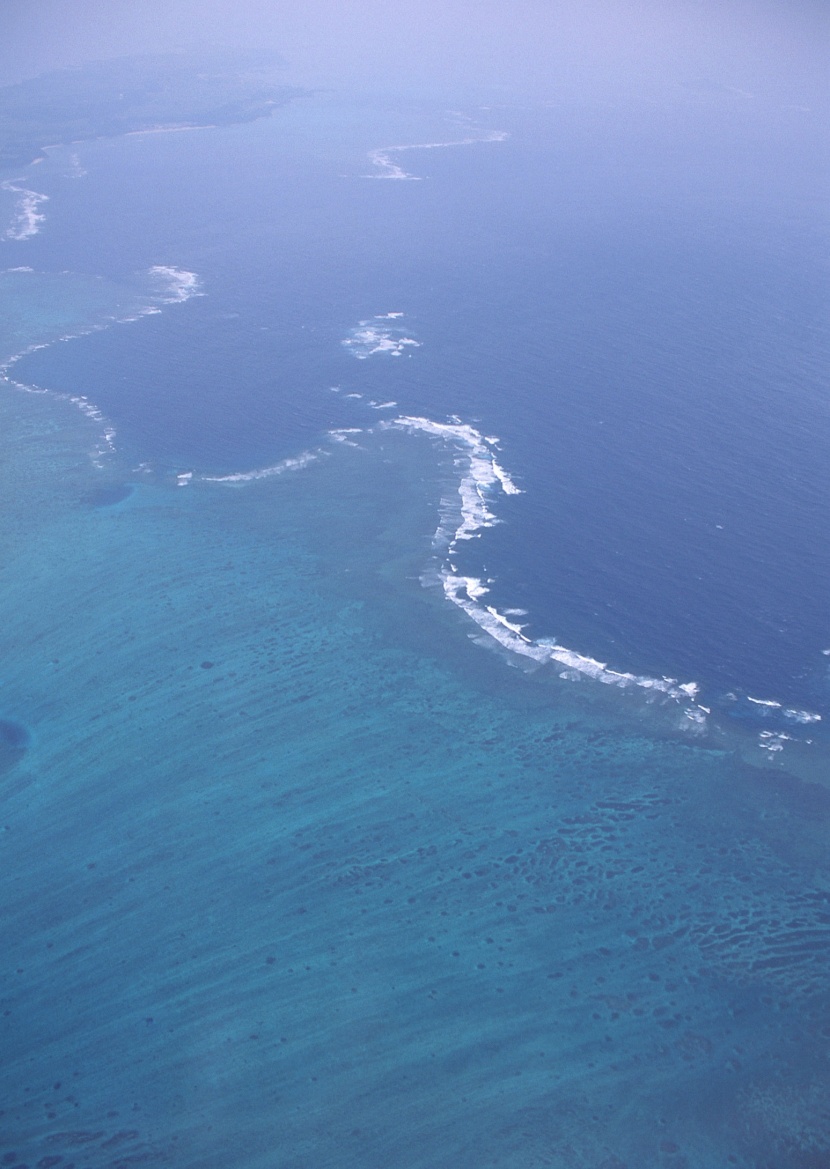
<point x="107" y="496"/>
<point x="14" y="739"/>
<point x="13" y="735"/>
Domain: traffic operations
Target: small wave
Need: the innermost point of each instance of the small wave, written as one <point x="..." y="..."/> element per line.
<point x="773" y="741"/>
<point x="375" y="336"/>
<point x="28" y="218"/>
<point x="342" y="433"/>
<point x="385" y="168"/>
<point x="293" y="464"/>
<point x="769" y="705"/>
<point x="802" y="716"/>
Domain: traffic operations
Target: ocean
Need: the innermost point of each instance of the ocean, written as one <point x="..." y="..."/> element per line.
<point x="413" y="723"/>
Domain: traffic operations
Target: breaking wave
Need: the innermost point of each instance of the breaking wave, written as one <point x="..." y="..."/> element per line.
<point x="175" y="284"/>
<point x="168" y="285"/>
<point x="28" y="218"/>
<point x="480" y="478"/>
<point x="386" y="168"/>
<point x="379" y="335"/>
<point x="293" y="464"/>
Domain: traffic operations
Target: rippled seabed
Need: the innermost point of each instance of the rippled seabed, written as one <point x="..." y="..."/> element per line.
<point x="296" y="873"/>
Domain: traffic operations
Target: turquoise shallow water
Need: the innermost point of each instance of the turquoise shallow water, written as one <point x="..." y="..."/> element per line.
<point x="296" y="872"/>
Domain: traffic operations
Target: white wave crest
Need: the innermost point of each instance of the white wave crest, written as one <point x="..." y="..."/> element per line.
<point x="375" y="336"/>
<point x="802" y="716"/>
<point x="480" y="472"/>
<point x="341" y="435"/>
<point x="385" y="168"/>
<point x="176" y="284"/>
<point x="28" y="218"/>
<point x="293" y="464"/>
<point x="773" y="741"/>
<point x="796" y="716"/>
<point x="480" y="478"/>
<point x="466" y="591"/>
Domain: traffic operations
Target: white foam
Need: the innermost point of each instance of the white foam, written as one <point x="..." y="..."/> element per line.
<point x="480" y="473"/>
<point x="773" y="741"/>
<point x="802" y="716"/>
<point x="385" y="168"/>
<point x="293" y="464"/>
<point x="696" y="715"/>
<point x="341" y="435"/>
<point x="28" y="218"/>
<point x="480" y="477"/>
<point x="177" y="286"/>
<point x="374" y="336"/>
<point x="797" y="716"/>
<point x="177" y="283"/>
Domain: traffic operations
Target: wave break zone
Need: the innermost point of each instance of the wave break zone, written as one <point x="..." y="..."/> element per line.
<point x="480" y="476"/>
<point x="28" y="218"/>
<point x="385" y="168"/>
<point x="172" y="286"/>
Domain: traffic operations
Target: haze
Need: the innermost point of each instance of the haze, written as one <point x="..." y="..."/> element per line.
<point x="534" y="49"/>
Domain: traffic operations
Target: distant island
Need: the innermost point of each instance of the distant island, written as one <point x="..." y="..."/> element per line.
<point x="130" y="94"/>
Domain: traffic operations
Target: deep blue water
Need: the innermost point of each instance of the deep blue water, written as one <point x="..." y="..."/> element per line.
<point x="643" y="332"/>
<point x="297" y="871"/>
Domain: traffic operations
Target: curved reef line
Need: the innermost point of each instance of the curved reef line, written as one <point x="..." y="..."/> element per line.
<point x="176" y="285"/>
<point x="380" y="158"/>
<point x="480" y="474"/>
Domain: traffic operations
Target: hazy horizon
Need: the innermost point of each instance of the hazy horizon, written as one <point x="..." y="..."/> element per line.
<point x="768" y="52"/>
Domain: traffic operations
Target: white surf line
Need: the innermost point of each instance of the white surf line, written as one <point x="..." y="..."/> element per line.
<point x="79" y="401"/>
<point x="798" y="716"/>
<point x="297" y="463"/>
<point x="28" y="218"/>
<point x="479" y="476"/>
<point x="178" y="285"/>
<point x="387" y="169"/>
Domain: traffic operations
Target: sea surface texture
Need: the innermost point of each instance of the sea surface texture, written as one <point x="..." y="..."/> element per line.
<point x="415" y="643"/>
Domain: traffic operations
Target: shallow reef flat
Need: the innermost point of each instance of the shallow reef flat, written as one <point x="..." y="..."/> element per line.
<point x="295" y="873"/>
